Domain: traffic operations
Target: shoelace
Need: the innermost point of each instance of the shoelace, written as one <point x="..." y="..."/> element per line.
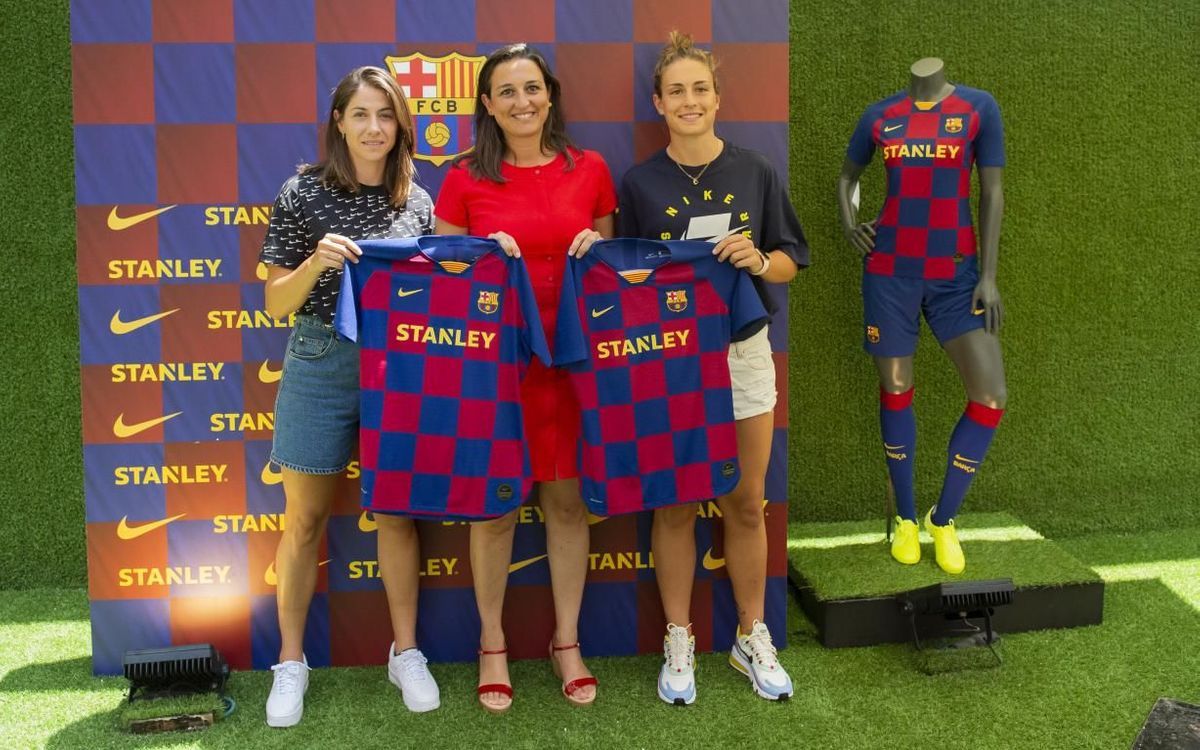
<point x="678" y="650"/>
<point x="413" y="663"/>
<point x="287" y="676"/>
<point x="760" y="646"/>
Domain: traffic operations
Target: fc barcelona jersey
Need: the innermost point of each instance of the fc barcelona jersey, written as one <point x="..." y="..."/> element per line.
<point x="644" y="328"/>
<point x="446" y="327"/>
<point x="924" y="229"/>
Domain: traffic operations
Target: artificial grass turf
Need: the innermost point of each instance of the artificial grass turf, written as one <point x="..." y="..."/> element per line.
<point x="850" y="559"/>
<point x="1082" y="688"/>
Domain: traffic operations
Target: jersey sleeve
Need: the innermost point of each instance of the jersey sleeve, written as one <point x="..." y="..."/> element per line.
<point x="289" y="240"/>
<point x="347" y="316"/>
<point x="533" y="335"/>
<point x="746" y="311"/>
<point x="989" y="142"/>
<point x="862" y="141"/>
<point x="451" y="203"/>
<point x="781" y="227"/>
<point x="570" y="341"/>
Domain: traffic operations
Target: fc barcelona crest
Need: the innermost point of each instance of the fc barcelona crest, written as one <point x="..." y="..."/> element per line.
<point x="677" y="300"/>
<point x="954" y="124"/>
<point x="441" y="95"/>
<point x="488" y="302"/>
<point x="873" y="334"/>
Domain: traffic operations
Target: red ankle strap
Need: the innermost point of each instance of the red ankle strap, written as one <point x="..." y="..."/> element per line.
<point x="568" y="647"/>
<point x="485" y="652"/>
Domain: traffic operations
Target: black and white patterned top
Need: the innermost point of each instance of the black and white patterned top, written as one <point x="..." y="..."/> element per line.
<point x="306" y="211"/>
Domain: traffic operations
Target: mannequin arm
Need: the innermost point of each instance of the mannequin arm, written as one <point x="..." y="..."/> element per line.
<point x="991" y="211"/>
<point x="860" y="236"/>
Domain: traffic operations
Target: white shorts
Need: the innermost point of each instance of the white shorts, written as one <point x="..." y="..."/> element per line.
<point x="753" y="374"/>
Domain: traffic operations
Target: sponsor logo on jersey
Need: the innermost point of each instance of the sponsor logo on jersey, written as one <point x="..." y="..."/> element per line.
<point x="247" y="524"/>
<point x="890" y="128"/>
<point x="677" y="300"/>
<point x="178" y="575"/>
<point x="423" y="334"/>
<point x="407" y="292"/>
<point x="119" y="223"/>
<point x="597" y="313"/>
<point x="236" y="215"/>
<point x="728" y="468"/>
<point x="432" y="567"/>
<point x="267" y="375"/>
<point x="441" y="96"/>
<point x="504" y="491"/>
<point x="122" y="327"/>
<point x="954" y="124"/>
<point x="127" y="532"/>
<point x="194" y="268"/>
<point x="488" y="302"/>
<point x="641" y="344"/>
<point x="166" y="372"/>
<point x="141" y="476"/>
<point x="873" y="334"/>
<point x="921" y="151"/>
<point x="123" y="430"/>
<point x="710" y="562"/>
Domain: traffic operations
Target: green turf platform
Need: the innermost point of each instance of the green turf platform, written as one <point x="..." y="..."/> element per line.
<point x="847" y="583"/>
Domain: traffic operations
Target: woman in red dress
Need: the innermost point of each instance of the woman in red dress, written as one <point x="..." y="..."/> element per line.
<point x="527" y="186"/>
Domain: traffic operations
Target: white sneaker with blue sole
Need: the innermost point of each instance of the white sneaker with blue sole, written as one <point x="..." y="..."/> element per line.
<point x="754" y="656"/>
<point x="677" y="679"/>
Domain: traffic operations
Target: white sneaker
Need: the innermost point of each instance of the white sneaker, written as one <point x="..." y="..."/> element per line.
<point x="407" y="670"/>
<point x="754" y="656"/>
<point x="677" y="679"/>
<point x="285" y="704"/>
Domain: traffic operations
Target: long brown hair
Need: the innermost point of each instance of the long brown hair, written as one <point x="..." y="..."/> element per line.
<point x="680" y="46"/>
<point x="337" y="170"/>
<point x="483" y="161"/>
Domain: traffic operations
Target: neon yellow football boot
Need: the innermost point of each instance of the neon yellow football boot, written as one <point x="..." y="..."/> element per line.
<point x="945" y="545"/>
<point x="906" y="546"/>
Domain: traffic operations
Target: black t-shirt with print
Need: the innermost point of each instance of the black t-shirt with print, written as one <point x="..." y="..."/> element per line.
<point x="306" y="211"/>
<point x="739" y="191"/>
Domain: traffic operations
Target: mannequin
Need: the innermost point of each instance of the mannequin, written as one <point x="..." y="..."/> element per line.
<point x="920" y="256"/>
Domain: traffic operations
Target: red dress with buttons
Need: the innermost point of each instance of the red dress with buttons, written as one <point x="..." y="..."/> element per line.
<point x="543" y="208"/>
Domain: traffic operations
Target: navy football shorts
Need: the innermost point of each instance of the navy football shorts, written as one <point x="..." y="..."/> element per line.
<point x="892" y="308"/>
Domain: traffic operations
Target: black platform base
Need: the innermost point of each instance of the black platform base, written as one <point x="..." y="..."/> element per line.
<point x="879" y="619"/>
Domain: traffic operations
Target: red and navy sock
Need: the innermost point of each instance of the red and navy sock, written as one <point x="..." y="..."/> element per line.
<point x="968" y="445"/>
<point x="898" y="425"/>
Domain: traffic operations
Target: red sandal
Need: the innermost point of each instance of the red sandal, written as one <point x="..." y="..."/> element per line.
<point x="494" y="687"/>
<point x="570" y="688"/>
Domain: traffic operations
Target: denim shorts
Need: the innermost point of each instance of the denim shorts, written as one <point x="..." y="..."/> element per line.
<point x="316" y="409"/>
<point x="752" y="371"/>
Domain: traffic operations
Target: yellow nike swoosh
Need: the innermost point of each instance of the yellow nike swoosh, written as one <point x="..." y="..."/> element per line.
<point x="594" y="519"/>
<point x="127" y="532"/>
<point x="524" y="563"/>
<point x="117" y="223"/>
<point x="597" y="313"/>
<point x="888" y="130"/>
<point x="407" y="292"/>
<point x="270" y="577"/>
<point x="121" y="327"/>
<point x="267" y="375"/>
<point x="367" y="523"/>
<point x="261" y="271"/>
<point x="713" y="563"/>
<point x="122" y="430"/>
<point x="269" y="476"/>
<point x="961" y="457"/>
<point x="892" y="447"/>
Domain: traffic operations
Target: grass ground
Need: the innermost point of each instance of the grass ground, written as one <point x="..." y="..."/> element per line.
<point x="1084" y="688"/>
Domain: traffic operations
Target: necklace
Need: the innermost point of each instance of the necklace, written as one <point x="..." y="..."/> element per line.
<point x="696" y="177"/>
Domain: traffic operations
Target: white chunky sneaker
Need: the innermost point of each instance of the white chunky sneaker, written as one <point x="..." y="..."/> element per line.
<point x="285" y="704"/>
<point x="754" y="656"/>
<point x="677" y="679"/>
<point x="408" y="671"/>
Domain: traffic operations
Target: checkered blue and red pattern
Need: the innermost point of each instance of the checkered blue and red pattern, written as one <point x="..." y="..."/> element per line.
<point x="644" y="327"/>
<point x="446" y="327"/>
<point x="189" y="114"/>
<point x="924" y="229"/>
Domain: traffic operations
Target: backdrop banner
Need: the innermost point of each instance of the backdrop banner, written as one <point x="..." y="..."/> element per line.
<point x="189" y="115"/>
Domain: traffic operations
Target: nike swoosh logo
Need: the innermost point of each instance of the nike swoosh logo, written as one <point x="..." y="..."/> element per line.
<point x="524" y="563"/>
<point x="117" y="223"/>
<point x="961" y="457"/>
<point x="597" y="313"/>
<point x="270" y="577"/>
<point x="713" y="563"/>
<point x="269" y="476"/>
<point x="367" y="523"/>
<point x="267" y="375"/>
<point x="121" y="327"/>
<point x="888" y="130"/>
<point x="261" y="271"/>
<point x="892" y="447"/>
<point x="407" y="292"/>
<point x="594" y="519"/>
<point x="122" y="430"/>
<point x="127" y="532"/>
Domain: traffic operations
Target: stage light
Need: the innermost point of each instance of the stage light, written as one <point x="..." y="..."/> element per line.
<point x="175" y="671"/>
<point x="965" y="601"/>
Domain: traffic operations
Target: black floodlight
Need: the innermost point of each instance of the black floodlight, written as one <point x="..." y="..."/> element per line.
<point x="960" y="600"/>
<point x="175" y="671"/>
